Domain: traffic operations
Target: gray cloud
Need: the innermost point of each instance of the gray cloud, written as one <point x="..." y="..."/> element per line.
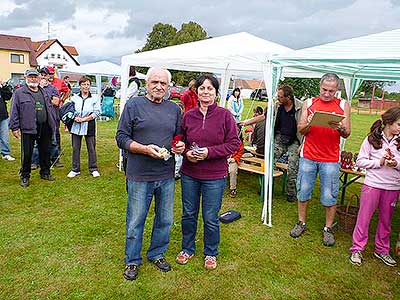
<point x="32" y="13"/>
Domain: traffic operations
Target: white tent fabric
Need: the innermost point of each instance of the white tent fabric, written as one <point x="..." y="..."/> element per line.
<point x="234" y="54"/>
<point x="370" y="57"/>
<point x="98" y="69"/>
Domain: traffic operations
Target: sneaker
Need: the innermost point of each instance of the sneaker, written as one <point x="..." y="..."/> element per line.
<point x="183" y="258"/>
<point x="162" y="264"/>
<point x="47" y="177"/>
<point x="356" y="258"/>
<point x="8" y="157"/>
<point x="210" y="262"/>
<point x="131" y="272"/>
<point x="328" y="238"/>
<point x="298" y="229"/>
<point x="34" y="166"/>
<point x="95" y="174"/>
<point x="232" y="194"/>
<point x="24" y="182"/>
<point x="386" y="259"/>
<point x="72" y="174"/>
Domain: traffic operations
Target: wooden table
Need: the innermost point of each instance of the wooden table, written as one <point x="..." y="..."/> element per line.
<point x="255" y="165"/>
<point x="344" y="179"/>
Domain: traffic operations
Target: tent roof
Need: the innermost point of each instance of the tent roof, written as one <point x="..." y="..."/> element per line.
<point x="241" y="53"/>
<point x="103" y="68"/>
<point x="374" y="57"/>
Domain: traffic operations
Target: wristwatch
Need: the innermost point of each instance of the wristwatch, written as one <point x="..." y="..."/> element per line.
<point x="341" y="130"/>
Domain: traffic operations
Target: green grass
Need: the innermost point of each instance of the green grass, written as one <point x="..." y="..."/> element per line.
<point x="65" y="240"/>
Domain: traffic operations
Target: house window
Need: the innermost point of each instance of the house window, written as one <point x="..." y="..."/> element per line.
<point x="58" y="55"/>
<point x="17" y="58"/>
<point x="52" y="55"/>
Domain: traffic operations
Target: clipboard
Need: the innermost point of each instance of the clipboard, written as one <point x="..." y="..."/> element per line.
<point x="321" y="118"/>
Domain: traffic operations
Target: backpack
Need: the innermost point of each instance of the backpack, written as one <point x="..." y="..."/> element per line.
<point x="230" y="216"/>
<point x="68" y="114"/>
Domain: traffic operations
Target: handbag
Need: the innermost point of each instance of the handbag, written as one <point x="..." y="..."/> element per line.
<point x="230" y="216"/>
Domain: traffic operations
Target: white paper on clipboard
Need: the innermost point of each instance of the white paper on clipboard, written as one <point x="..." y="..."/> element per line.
<point x="321" y="118"/>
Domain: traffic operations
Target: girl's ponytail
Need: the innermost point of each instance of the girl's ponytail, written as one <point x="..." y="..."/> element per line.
<point x="375" y="134"/>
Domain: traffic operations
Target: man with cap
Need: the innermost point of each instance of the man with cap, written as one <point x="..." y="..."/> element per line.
<point x="32" y="118"/>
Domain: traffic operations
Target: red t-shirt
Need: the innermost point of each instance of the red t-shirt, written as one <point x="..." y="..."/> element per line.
<point x="321" y="143"/>
<point x="60" y="85"/>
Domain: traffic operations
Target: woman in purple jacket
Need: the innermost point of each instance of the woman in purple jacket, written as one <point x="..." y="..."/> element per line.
<point x="210" y="135"/>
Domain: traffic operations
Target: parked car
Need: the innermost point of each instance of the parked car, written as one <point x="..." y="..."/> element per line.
<point x="15" y="83"/>
<point x="259" y="94"/>
<point x="175" y="92"/>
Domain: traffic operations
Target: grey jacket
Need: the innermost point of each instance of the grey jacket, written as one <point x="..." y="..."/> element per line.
<point x="23" y="113"/>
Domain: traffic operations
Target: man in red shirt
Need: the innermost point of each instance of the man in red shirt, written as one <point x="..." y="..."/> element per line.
<point x="60" y="84"/>
<point x="189" y="97"/>
<point x="320" y="153"/>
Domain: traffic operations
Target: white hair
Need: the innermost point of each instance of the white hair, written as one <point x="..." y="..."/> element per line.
<point x="154" y="69"/>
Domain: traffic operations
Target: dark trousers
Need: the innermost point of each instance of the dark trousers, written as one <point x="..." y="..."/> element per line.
<point x="76" y="152"/>
<point x="43" y="140"/>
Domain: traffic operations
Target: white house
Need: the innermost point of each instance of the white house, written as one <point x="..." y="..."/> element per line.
<point x="53" y="53"/>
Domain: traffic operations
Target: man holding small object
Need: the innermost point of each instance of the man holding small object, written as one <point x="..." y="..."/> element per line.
<point x="146" y="130"/>
<point x="320" y="152"/>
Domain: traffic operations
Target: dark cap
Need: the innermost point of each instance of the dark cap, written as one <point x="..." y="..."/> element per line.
<point x="31" y="72"/>
<point x="44" y="70"/>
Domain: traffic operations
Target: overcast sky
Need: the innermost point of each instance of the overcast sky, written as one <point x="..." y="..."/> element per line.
<point x="108" y="29"/>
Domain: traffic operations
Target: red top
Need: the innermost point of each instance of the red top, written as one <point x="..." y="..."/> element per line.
<point x="321" y="143"/>
<point x="189" y="99"/>
<point x="60" y="85"/>
<point x="238" y="154"/>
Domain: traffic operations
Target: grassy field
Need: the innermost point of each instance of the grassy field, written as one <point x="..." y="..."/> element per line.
<point x="65" y="240"/>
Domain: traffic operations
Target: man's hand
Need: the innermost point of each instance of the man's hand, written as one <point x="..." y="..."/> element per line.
<point x="392" y="163"/>
<point x="153" y="151"/>
<point x="16" y="134"/>
<point x="179" y="148"/>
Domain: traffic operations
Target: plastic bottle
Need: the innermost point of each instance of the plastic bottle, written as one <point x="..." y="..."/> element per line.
<point x="398" y="246"/>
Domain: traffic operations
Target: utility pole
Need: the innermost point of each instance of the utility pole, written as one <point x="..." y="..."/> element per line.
<point x="48" y="30"/>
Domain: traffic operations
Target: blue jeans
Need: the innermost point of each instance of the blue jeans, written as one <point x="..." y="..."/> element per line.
<point x="4" y="138"/>
<point x="212" y="192"/>
<point x="328" y="177"/>
<point x="140" y="194"/>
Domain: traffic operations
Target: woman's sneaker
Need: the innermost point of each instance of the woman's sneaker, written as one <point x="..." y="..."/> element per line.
<point x="183" y="258"/>
<point x="210" y="262"/>
<point x="386" y="259"/>
<point x="73" y="174"/>
<point x="356" y="258"/>
<point x="233" y="193"/>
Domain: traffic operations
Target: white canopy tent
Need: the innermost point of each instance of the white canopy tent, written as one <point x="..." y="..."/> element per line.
<point x="98" y="69"/>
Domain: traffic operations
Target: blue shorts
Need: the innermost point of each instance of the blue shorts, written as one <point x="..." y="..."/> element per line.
<point x="328" y="177"/>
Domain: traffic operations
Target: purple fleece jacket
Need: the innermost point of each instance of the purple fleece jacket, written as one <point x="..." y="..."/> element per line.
<point x="216" y="131"/>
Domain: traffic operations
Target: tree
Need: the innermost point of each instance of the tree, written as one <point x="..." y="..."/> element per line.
<point x="164" y="35"/>
<point x="303" y="87"/>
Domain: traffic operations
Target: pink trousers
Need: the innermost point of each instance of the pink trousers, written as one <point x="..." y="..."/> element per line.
<point x="371" y="199"/>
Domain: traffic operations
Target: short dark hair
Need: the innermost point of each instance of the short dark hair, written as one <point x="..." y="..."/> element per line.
<point x="66" y="77"/>
<point x="259" y="110"/>
<point x="84" y="79"/>
<point x="214" y="81"/>
<point x="287" y="91"/>
<point x="132" y="71"/>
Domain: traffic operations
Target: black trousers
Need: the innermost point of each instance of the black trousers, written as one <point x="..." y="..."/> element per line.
<point x="43" y="140"/>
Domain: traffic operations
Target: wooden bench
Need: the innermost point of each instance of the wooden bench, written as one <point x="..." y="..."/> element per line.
<point x="254" y="165"/>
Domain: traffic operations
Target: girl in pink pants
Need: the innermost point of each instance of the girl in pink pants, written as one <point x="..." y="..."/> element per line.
<point x="380" y="156"/>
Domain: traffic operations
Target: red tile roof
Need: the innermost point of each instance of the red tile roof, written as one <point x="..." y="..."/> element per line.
<point x="21" y="43"/>
<point x="71" y="50"/>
